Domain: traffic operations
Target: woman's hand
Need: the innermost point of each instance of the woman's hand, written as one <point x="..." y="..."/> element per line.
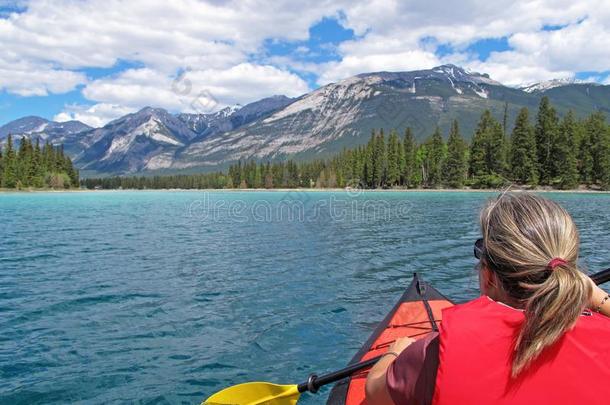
<point x="400" y="344"/>
<point x="597" y="296"/>
<point x="375" y="388"/>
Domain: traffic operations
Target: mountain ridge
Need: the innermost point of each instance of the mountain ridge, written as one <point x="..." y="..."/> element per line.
<point x="316" y="124"/>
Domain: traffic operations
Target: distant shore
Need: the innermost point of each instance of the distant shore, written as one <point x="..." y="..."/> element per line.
<point x="285" y="190"/>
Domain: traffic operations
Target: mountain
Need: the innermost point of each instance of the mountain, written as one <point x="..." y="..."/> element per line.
<point x="140" y="141"/>
<point x="233" y="117"/>
<point x="44" y="129"/>
<point x="550" y="84"/>
<point x="151" y="138"/>
<point x="206" y="124"/>
<point x="343" y="114"/>
<point x="317" y="124"/>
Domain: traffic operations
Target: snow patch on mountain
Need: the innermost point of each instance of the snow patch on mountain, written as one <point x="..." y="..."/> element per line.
<point x="551" y="84"/>
<point x="481" y="93"/>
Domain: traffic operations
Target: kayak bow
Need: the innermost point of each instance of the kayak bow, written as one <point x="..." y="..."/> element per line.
<point x="416" y="314"/>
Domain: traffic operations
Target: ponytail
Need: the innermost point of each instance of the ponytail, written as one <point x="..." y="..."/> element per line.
<point x="524" y="234"/>
<point x="551" y="310"/>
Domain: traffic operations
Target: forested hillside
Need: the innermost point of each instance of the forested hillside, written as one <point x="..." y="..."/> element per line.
<point x="536" y="151"/>
<point x="34" y="166"/>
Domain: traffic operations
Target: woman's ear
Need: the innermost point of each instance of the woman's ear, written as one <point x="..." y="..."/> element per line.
<point x="487" y="280"/>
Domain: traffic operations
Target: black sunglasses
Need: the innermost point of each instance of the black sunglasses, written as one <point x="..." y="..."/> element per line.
<point x="479" y="248"/>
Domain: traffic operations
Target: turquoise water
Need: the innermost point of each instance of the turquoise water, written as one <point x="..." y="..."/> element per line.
<point x="167" y="297"/>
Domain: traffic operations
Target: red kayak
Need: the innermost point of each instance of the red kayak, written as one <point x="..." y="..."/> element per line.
<point x="417" y="313"/>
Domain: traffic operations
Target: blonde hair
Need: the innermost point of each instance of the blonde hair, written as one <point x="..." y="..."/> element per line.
<point x="522" y="233"/>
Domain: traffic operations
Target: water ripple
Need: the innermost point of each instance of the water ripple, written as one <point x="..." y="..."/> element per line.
<point x="130" y="297"/>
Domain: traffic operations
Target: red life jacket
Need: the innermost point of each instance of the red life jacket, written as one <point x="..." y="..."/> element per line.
<point x="476" y="344"/>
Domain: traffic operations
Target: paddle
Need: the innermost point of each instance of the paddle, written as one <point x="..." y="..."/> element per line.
<point x="601" y="277"/>
<point x="255" y="393"/>
<point x="259" y="393"/>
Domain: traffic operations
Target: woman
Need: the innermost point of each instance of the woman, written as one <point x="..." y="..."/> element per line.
<point x="537" y="334"/>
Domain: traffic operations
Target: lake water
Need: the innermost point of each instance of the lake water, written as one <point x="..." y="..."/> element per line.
<point x="167" y="297"/>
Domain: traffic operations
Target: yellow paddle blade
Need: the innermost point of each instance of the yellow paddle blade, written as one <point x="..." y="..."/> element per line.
<point x="255" y="393"/>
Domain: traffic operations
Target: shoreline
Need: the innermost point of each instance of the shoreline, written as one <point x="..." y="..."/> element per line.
<point x="317" y="190"/>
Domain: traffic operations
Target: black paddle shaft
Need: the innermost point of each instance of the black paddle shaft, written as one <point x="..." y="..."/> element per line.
<point x="314" y="382"/>
<point x="601" y="277"/>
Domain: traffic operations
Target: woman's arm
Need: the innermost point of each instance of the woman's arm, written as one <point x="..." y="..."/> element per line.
<point x="376" y="387"/>
<point x="599" y="300"/>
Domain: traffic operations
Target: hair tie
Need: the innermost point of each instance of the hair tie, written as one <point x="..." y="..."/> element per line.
<point x="556" y="262"/>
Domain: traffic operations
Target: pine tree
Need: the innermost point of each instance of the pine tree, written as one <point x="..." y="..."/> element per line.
<point x="436" y="157"/>
<point x="422" y="164"/>
<point x="523" y="156"/>
<point x="597" y="134"/>
<point x="605" y="178"/>
<point x="379" y="161"/>
<point x="369" y="161"/>
<point x="585" y="157"/>
<point x="488" y="153"/>
<point x="454" y="172"/>
<point x="409" y="149"/>
<point x="505" y="119"/>
<point x="1" y="165"/>
<point x="565" y="147"/>
<point x="38" y="169"/>
<point x="258" y="176"/>
<point x="478" y="166"/>
<point x="9" y="177"/>
<point x="497" y="151"/>
<point x="268" y="176"/>
<point x="393" y="159"/>
<point x="546" y="132"/>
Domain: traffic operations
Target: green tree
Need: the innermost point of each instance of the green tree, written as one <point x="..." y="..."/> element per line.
<point x="597" y="136"/>
<point x="1" y="165"/>
<point x="393" y="159"/>
<point x="268" y="176"/>
<point x="546" y="133"/>
<point x="565" y="149"/>
<point x="9" y="176"/>
<point x="409" y="165"/>
<point x="497" y="150"/>
<point x="258" y="176"/>
<point x="38" y="169"/>
<point x="379" y="161"/>
<point x="505" y="119"/>
<point x="477" y="166"/>
<point x="436" y="157"/>
<point x="488" y="153"/>
<point x="523" y="156"/>
<point x="422" y="164"/>
<point x="369" y="161"/>
<point x="455" y="170"/>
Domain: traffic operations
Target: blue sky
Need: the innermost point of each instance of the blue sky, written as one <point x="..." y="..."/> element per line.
<point x="95" y="60"/>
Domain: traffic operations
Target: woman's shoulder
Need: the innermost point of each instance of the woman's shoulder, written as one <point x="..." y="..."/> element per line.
<point x="412" y="375"/>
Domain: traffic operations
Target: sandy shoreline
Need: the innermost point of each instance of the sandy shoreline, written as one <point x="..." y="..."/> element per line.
<point x="319" y="190"/>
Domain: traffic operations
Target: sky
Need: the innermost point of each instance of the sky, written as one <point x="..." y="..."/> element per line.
<point x="96" y="60"/>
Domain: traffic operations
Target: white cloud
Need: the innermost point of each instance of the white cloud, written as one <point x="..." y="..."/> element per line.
<point x="56" y="39"/>
<point x="199" y="91"/>
<point x="372" y="58"/>
<point x="241" y="84"/>
<point x="95" y="116"/>
<point x="160" y="34"/>
<point x="26" y="79"/>
<point x="393" y="33"/>
<point x="45" y="49"/>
